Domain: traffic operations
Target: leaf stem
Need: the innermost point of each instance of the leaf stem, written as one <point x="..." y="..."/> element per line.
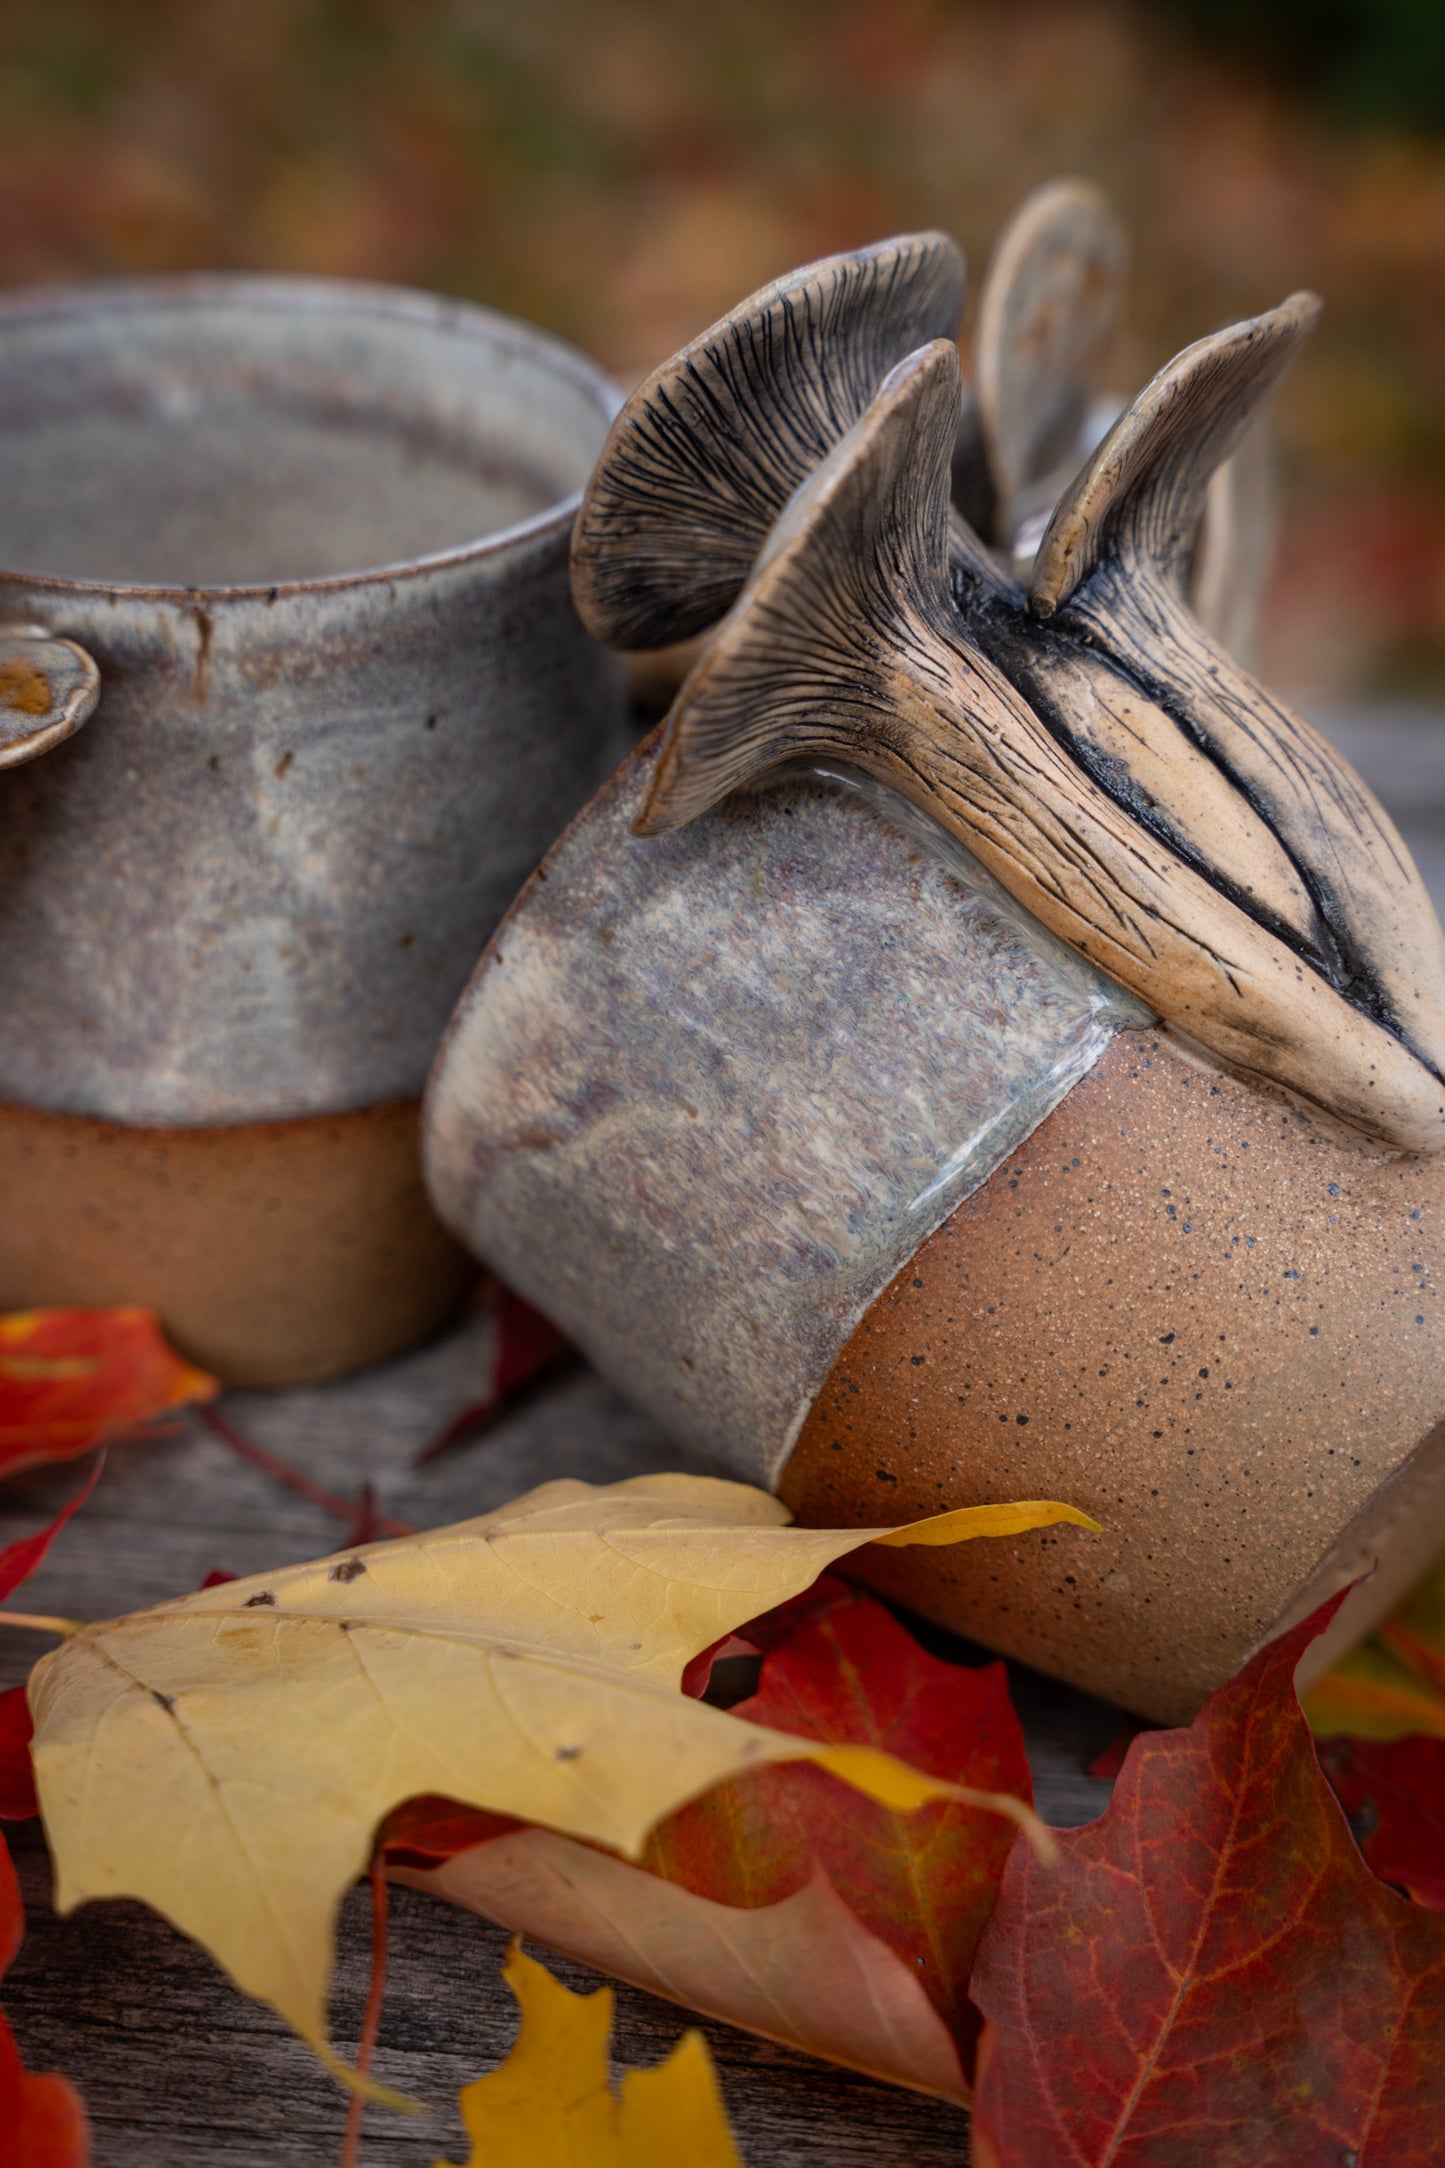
<point x="371" y="2017"/>
<point x="39" y="1623"/>
<point x="220" y="1426"/>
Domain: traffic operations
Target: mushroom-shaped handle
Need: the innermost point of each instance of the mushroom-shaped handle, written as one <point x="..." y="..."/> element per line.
<point x="48" y="688"/>
<point x="708" y="450"/>
<point x="1143" y="492"/>
<point x="846" y="645"/>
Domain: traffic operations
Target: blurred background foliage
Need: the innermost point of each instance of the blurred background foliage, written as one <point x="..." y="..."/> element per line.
<point x="623" y="170"/>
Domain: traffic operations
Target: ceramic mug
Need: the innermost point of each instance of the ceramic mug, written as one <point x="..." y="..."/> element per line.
<point x="983" y="1046"/>
<point x="313" y="536"/>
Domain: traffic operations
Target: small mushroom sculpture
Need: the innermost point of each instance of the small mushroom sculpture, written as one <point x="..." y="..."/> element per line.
<point x="984" y="1043"/>
<point x="48" y="689"/>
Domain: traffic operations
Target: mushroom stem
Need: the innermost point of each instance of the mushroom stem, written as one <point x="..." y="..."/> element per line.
<point x="1113" y="569"/>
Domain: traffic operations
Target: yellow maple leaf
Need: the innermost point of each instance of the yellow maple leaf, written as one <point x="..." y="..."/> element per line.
<point x="226" y="1757"/>
<point x="549" y="2105"/>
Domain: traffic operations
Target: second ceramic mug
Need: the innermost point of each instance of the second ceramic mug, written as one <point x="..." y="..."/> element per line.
<point x="236" y="910"/>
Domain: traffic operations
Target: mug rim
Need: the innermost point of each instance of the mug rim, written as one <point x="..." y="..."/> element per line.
<point x="286" y="290"/>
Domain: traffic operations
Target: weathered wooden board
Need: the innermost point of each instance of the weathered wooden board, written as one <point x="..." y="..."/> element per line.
<point x="176" y="2067"/>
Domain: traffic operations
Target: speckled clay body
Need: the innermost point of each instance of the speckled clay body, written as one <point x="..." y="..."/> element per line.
<point x="873" y="1193"/>
<point x="249" y="893"/>
<point x="1203" y="1317"/>
<point x="984" y="1046"/>
<point x="761" y="1061"/>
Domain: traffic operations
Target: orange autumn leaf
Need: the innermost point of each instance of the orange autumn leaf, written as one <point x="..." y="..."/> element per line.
<point x="70" y="1379"/>
<point x="1370" y="1694"/>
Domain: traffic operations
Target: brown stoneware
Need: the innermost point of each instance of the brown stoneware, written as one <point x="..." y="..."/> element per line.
<point x="217" y="1228"/>
<point x="1217" y="1325"/>
<point x="309" y="540"/>
<point x="984" y="1044"/>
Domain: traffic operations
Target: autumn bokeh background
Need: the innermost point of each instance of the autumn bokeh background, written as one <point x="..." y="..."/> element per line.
<point x="622" y="170"/>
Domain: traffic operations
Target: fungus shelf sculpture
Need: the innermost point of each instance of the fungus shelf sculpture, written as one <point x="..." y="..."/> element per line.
<point x="984" y="1043"/>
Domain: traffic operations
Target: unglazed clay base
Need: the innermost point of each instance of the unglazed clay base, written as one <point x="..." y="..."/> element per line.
<point x="275" y="1252"/>
<point x="1207" y="1320"/>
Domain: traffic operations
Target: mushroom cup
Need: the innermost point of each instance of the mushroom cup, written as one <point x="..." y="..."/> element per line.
<point x="984" y="1044"/>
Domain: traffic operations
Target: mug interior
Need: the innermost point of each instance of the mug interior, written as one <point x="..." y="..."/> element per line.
<point x="217" y="432"/>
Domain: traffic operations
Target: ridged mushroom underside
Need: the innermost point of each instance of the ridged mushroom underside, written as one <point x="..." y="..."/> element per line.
<point x="848" y="643"/>
<point x="708" y="450"/>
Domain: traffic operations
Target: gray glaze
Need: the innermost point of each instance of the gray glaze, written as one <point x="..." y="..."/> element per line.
<point x="253" y="887"/>
<point x="709" y="1090"/>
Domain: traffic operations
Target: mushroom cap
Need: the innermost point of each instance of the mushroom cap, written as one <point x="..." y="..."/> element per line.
<point x="1048" y="309"/>
<point x="48" y="688"/>
<point x="709" y="449"/>
<point x="1143" y="492"/>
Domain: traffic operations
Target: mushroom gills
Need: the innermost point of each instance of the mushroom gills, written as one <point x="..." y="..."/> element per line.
<point x="710" y="447"/>
<point x="846" y="645"/>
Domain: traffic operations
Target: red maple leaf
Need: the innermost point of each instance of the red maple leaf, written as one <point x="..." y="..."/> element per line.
<point x="1393" y="1791"/>
<point x="924" y="1882"/>
<point x="838" y="1666"/>
<point x="1212" y="1974"/>
<point x="526" y="1348"/>
<point x="17" y="1562"/>
<point x="42" y="2120"/>
<point x="70" y="1379"/>
<point x="17" y="1778"/>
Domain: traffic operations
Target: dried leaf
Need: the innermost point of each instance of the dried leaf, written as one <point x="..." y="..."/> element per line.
<point x="1106" y="1764"/>
<point x="804" y="1971"/>
<point x="26" y="1555"/>
<point x="550" y="2104"/>
<point x="17" y="1779"/>
<point x="800" y="1911"/>
<point x="526" y="1348"/>
<point x="1415" y="1631"/>
<point x="1212" y="1973"/>
<point x="1394" y="1794"/>
<point x="227" y="1757"/>
<point x="69" y="1379"/>
<point x="1370" y="1694"/>
<point x="42" y="2120"/>
<point x="17" y="1562"/>
<point x="924" y="1882"/>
